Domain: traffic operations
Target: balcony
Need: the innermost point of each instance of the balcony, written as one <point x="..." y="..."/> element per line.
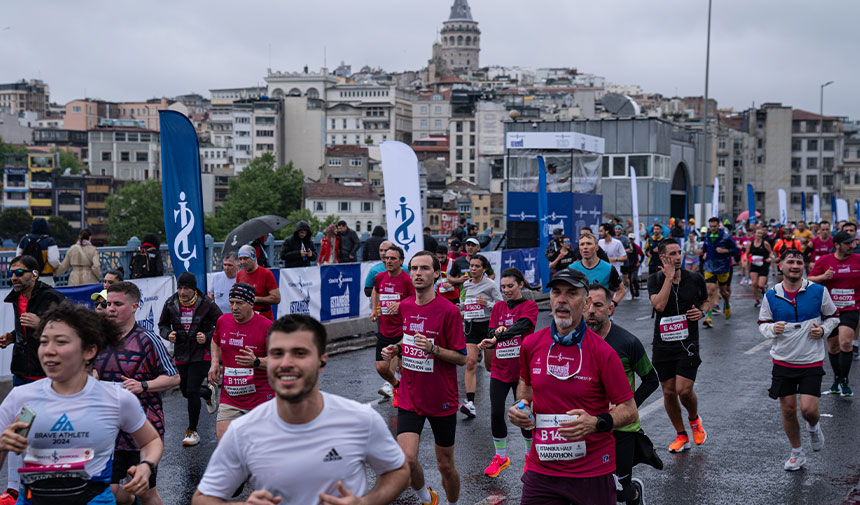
<point x="41" y="202"/>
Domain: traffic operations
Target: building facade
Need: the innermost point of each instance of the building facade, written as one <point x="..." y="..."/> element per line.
<point x="32" y="95"/>
<point x="124" y="150"/>
<point x="354" y="202"/>
<point x="461" y="40"/>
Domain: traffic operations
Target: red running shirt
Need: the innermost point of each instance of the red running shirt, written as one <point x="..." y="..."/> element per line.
<point x="392" y="289"/>
<point x="242" y="387"/>
<point x="264" y="282"/>
<point x="844" y="287"/>
<point x="821" y="247"/>
<point x="506" y="362"/>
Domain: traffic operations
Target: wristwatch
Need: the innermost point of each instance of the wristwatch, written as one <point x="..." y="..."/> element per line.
<point x="152" y="466"/>
<point x="256" y="362"/>
<point x="604" y="423"/>
<point x="144" y="386"/>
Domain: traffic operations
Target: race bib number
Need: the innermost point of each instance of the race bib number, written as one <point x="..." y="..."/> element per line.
<point x="674" y="328"/>
<point x="472" y="309"/>
<point x="842" y="298"/>
<point x="549" y="443"/>
<point x="508" y="349"/>
<point x="239" y="381"/>
<point x="386" y="301"/>
<point x="757" y="260"/>
<point x="413" y="358"/>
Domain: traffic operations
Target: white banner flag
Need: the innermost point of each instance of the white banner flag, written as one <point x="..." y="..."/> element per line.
<point x="783" y="208"/>
<point x="715" y="200"/>
<point x="816" y="209"/>
<point x="841" y="209"/>
<point x="634" y="196"/>
<point x="402" y="197"/>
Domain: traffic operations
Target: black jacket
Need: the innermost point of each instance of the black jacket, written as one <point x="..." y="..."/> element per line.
<point x="430" y="243"/>
<point x="349" y="244"/>
<point x="291" y="251"/>
<point x="371" y="247"/>
<point x="25" y="358"/>
<point x="206" y="314"/>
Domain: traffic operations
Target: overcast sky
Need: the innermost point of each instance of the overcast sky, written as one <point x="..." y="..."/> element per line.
<point x="761" y="50"/>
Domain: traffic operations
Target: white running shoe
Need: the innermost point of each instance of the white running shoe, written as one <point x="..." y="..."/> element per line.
<point x="817" y="438"/>
<point x="386" y="390"/>
<point x="191" y="438"/>
<point x="214" y="399"/>
<point x="795" y="462"/>
<point x="468" y="408"/>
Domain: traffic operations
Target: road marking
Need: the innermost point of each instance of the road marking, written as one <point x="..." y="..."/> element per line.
<point x="826" y="415"/>
<point x="493" y="499"/>
<point x="650" y="408"/>
<point x="758" y="347"/>
<point x="643" y="318"/>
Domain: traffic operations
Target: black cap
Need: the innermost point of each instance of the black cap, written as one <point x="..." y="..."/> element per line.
<point x="455" y="244"/>
<point x="843" y="237"/>
<point x="572" y="277"/>
<point x="557" y="232"/>
<point x="186" y="280"/>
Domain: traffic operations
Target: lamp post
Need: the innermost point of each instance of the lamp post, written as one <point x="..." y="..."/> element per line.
<point x="821" y="146"/>
<point x="705" y="119"/>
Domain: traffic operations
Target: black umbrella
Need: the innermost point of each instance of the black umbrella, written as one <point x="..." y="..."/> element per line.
<point x="251" y="229"/>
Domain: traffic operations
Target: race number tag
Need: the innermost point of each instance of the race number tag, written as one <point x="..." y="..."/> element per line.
<point x="413" y="358"/>
<point x="472" y="309"/>
<point x="386" y="301"/>
<point x="842" y="298"/>
<point x="549" y="443"/>
<point x="508" y="349"/>
<point x="674" y="328"/>
<point x="756" y="260"/>
<point x="239" y="381"/>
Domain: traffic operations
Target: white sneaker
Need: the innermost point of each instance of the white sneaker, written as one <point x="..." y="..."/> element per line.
<point x="795" y="462"/>
<point x="386" y="390"/>
<point x="468" y="408"/>
<point x="191" y="438"/>
<point x="817" y="438"/>
<point x="212" y="404"/>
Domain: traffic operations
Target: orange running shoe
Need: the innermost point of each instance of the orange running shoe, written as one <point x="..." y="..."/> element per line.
<point x="681" y="443"/>
<point x="497" y="465"/>
<point x="434" y="498"/>
<point x="699" y="435"/>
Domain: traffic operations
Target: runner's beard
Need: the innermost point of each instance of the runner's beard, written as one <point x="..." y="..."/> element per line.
<point x="562" y="323"/>
<point x="595" y="324"/>
<point x="302" y="394"/>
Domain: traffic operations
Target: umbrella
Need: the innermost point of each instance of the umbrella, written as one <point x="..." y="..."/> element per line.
<point x="251" y="229"/>
<point x="743" y="216"/>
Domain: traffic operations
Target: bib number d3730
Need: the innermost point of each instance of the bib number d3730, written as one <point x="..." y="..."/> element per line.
<point x="674" y="328"/>
<point x="413" y="358"/>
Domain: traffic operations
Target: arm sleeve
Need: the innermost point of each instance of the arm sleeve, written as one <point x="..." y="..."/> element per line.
<point x="226" y="469"/>
<point x="522" y="325"/>
<point x="370" y="279"/>
<point x="131" y="416"/>
<point x="383" y="453"/>
<point x="643" y="368"/>
<point x="64" y="265"/>
<point x="53" y="256"/>
<point x="161" y="360"/>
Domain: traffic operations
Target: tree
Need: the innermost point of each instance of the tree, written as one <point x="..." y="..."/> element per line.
<point x="6" y="148"/>
<point x="315" y="223"/>
<point x="15" y="223"/>
<point x="136" y="209"/>
<point x="69" y="160"/>
<point x="62" y="231"/>
<point x="259" y="189"/>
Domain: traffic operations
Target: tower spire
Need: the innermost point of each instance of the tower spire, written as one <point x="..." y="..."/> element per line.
<point x="460" y="11"/>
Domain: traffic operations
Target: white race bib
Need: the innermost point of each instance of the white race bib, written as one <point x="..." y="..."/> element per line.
<point x="386" y="300"/>
<point x="549" y="443"/>
<point x="757" y="261"/>
<point x="674" y="328"/>
<point x="842" y="298"/>
<point x="508" y="349"/>
<point x="239" y="381"/>
<point x="472" y="309"/>
<point x="413" y="358"/>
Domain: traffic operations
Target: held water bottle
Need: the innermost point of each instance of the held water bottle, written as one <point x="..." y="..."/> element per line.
<point x="525" y="409"/>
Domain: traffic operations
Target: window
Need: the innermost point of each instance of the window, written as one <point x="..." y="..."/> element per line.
<point x="334" y="162"/>
<point x="796" y="145"/>
<point x="438" y="109"/>
<point x="828" y="163"/>
<point x="721" y="162"/>
<point x="811" y="162"/>
<point x="459" y="169"/>
<point x="333" y="124"/>
<point x="358" y="226"/>
<point x="812" y="181"/>
<point x="827" y="180"/>
<point x="795" y="198"/>
<point x="423" y="109"/>
<point x="343" y="207"/>
<point x="106" y="155"/>
<point x="119" y="136"/>
<point x="424" y="123"/>
<point x="367" y="207"/>
<point x="133" y="137"/>
<point x="605" y="168"/>
<point x="265" y="133"/>
<point x="459" y="127"/>
<point x="319" y="206"/>
<point x="124" y="156"/>
<point x="357" y="123"/>
<point x="721" y="143"/>
<point x="369" y="226"/>
<point x="760" y="143"/>
<point x="642" y="165"/>
<point x="355" y="162"/>
<point x="812" y="145"/>
<point x="333" y="140"/>
<point x="459" y="141"/>
<point x="619" y="167"/>
<point x="459" y="154"/>
<point x="344" y="124"/>
<point x="344" y="138"/>
<point x="264" y="120"/>
<point x="795" y="180"/>
<point x="141" y="156"/>
<point x="438" y="124"/>
<point x="795" y="162"/>
<point x="828" y="145"/>
<point x="76" y="108"/>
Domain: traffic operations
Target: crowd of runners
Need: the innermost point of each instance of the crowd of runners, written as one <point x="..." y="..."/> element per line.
<point x="84" y="422"/>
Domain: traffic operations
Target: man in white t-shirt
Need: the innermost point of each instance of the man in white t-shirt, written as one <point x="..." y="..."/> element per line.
<point x="304" y="446"/>
<point x="612" y="246"/>
<point x="223" y="281"/>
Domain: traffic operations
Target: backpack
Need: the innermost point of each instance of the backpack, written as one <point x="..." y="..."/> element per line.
<point x="34" y="249"/>
<point x="143" y="263"/>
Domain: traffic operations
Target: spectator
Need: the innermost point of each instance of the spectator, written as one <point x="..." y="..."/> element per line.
<point x="430" y="244"/>
<point x="259" y="245"/>
<point x="112" y="277"/>
<point x="99" y="303"/>
<point x="371" y="247"/>
<point x="349" y="243"/>
<point x="42" y="247"/>
<point x="459" y="232"/>
<point x="223" y="281"/>
<point x="330" y="246"/>
<point x="83" y="259"/>
<point x="146" y="261"/>
<point x="555" y="245"/>
<point x="483" y="241"/>
<point x="298" y="250"/>
<point x="455" y="248"/>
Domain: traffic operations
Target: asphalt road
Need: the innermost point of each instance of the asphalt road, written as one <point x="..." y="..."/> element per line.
<point x="741" y="463"/>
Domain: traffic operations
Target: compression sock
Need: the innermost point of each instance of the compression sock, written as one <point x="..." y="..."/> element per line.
<point x="528" y="445"/>
<point x="845" y="358"/>
<point x="470" y="397"/>
<point x="423" y="495"/>
<point x="709" y="314"/>
<point x="811" y="428"/>
<point x="834" y="363"/>
<point x="501" y="445"/>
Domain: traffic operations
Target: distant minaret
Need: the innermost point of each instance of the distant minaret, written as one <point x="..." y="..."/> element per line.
<point x="461" y="39"/>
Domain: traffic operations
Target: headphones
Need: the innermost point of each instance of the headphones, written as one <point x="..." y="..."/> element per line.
<point x="323" y="363"/>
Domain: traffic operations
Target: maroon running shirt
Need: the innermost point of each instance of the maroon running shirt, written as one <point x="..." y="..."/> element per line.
<point x="392" y="289"/>
<point x="241" y="386"/>
<point x="506" y="355"/>
<point x="845" y="284"/>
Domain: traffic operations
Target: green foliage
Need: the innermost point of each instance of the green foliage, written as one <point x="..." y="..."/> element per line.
<point x="15" y="223"/>
<point x="10" y="149"/>
<point x="315" y="223"/>
<point x="136" y="209"/>
<point x="62" y="231"/>
<point x="69" y="160"/>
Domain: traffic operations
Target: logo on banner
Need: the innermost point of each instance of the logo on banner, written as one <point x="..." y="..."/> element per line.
<point x="339" y="305"/>
<point x="523" y="216"/>
<point x="562" y="140"/>
<point x="339" y="291"/>
<point x="186" y="222"/>
<point x="529" y="273"/>
<point x="516" y="140"/>
<point x="339" y="280"/>
<point x="302" y="306"/>
<point x="407" y="216"/>
<point x="148" y="322"/>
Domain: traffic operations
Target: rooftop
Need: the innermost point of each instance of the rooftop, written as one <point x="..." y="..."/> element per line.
<point x="802" y="115"/>
<point x="337" y="150"/>
<point x="339" y="191"/>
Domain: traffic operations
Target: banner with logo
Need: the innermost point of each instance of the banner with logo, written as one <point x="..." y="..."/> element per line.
<point x="402" y="197"/>
<point x="543" y="210"/>
<point x="841" y="210"/>
<point x="802" y="206"/>
<point x="299" y="291"/>
<point x="182" y="195"/>
<point x="833" y="217"/>
<point x="634" y="199"/>
<point x="448" y="222"/>
<point x="495" y="259"/>
<point x="816" y="209"/>
<point x="715" y="199"/>
<point x="783" y="207"/>
<point x="341" y="290"/>
<point x="751" y="203"/>
<point x="530" y="265"/>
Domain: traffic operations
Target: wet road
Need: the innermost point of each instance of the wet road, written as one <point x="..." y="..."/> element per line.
<point x="741" y="463"/>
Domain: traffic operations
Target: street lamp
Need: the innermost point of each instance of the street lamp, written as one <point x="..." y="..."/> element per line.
<point x="821" y="146"/>
<point x="705" y="119"/>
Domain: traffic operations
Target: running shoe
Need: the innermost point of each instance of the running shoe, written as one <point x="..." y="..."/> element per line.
<point x="468" y="408"/>
<point x="795" y="462"/>
<point x="214" y="399"/>
<point x="640" y="488"/>
<point x="728" y="311"/>
<point x="497" y="465"/>
<point x="9" y="497"/>
<point x="681" y="444"/>
<point x="395" y="401"/>
<point x="708" y="322"/>
<point x="834" y="388"/>
<point x="817" y="438"/>
<point x="716" y="308"/>
<point x="386" y="390"/>
<point x="757" y="304"/>
<point x="845" y="389"/>
<point x="191" y="438"/>
<point x="699" y="435"/>
<point x="434" y="498"/>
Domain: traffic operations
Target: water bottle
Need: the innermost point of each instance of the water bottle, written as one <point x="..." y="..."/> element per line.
<point x="525" y="409"/>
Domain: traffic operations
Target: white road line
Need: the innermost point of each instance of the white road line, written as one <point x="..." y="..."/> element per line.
<point x="493" y="499"/>
<point x="644" y="411"/>
<point x="643" y="318"/>
<point x="758" y="347"/>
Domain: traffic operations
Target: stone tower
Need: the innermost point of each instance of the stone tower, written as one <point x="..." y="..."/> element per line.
<point x="461" y="39"/>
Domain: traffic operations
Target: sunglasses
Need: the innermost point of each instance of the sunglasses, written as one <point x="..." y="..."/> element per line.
<point x="100" y="305"/>
<point x="18" y="272"/>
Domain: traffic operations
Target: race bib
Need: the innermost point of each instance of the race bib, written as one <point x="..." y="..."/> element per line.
<point x="413" y="358"/>
<point x="549" y="443"/>
<point x="386" y="301"/>
<point x="842" y="298"/>
<point x="239" y="381"/>
<point x="674" y="328"/>
<point x="508" y="349"/>
<point x="757" y="260"/>
<point x="472" y="309"/>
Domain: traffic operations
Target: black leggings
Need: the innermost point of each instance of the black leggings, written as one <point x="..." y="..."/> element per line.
<point x="498" y="408"/>
<point x="191" y="377"/>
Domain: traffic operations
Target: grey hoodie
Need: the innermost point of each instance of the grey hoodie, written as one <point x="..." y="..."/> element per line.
<point x="486" y="288"/>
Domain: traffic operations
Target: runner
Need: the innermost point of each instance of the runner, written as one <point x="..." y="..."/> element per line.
<point x="142" y="365"/>
<point x="612" y="246"/>
<point x="796" y="314"/>
<point x="598" y="270"/>
<point x="433" y="347"/>
<point x="327" y="437"/>
<point x="262" y="279"/>
<point x="459" y="272"/>
<point x="823" y="243"/>
<point x="840" y="274"/>
<point x="90" y="412"/>
<point x="630" y="259"/>
<point x="511" y="322"/>
<point x="239" y="346"/>
<point x="719" y="249"/>
<point x="444" y="288"/>
<point x="376" y="269"/>
<point x="742" y="241"/>
<point x="481" y="293"/>
<point x="564" y="256"/>
<point x="572" y="459"/>
<point x="691" y="253"/>
<point x="188" y="321"/>
<point x="629" y="439"/>
<point x="759" y="254"/>
<point x="783" y="244"/>
<point x="390" y="288"/>
<point x="651" y="245"/>
<point x="680" y="298"/>
<point x="223" y="281"/>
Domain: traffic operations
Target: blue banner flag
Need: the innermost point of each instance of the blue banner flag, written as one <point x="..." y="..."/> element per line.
<point x="857" y="209"/>
<point x="803" y="206"/>
<point x="833" y="210"/>
<point x="751" y="203"/>
<point x="543" y="231"/>
<point x="183" y="195"/>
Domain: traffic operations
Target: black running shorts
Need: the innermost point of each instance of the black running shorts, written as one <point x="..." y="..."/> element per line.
<point x="383" y="342"/>
<point x="444" y="428"/>
<point x="686" y="367"/>
<point x="788" y="381"/>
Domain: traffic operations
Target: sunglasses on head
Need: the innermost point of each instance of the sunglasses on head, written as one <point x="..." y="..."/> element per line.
<point x="18" y="272"/>
<point x="100" y="305"/>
